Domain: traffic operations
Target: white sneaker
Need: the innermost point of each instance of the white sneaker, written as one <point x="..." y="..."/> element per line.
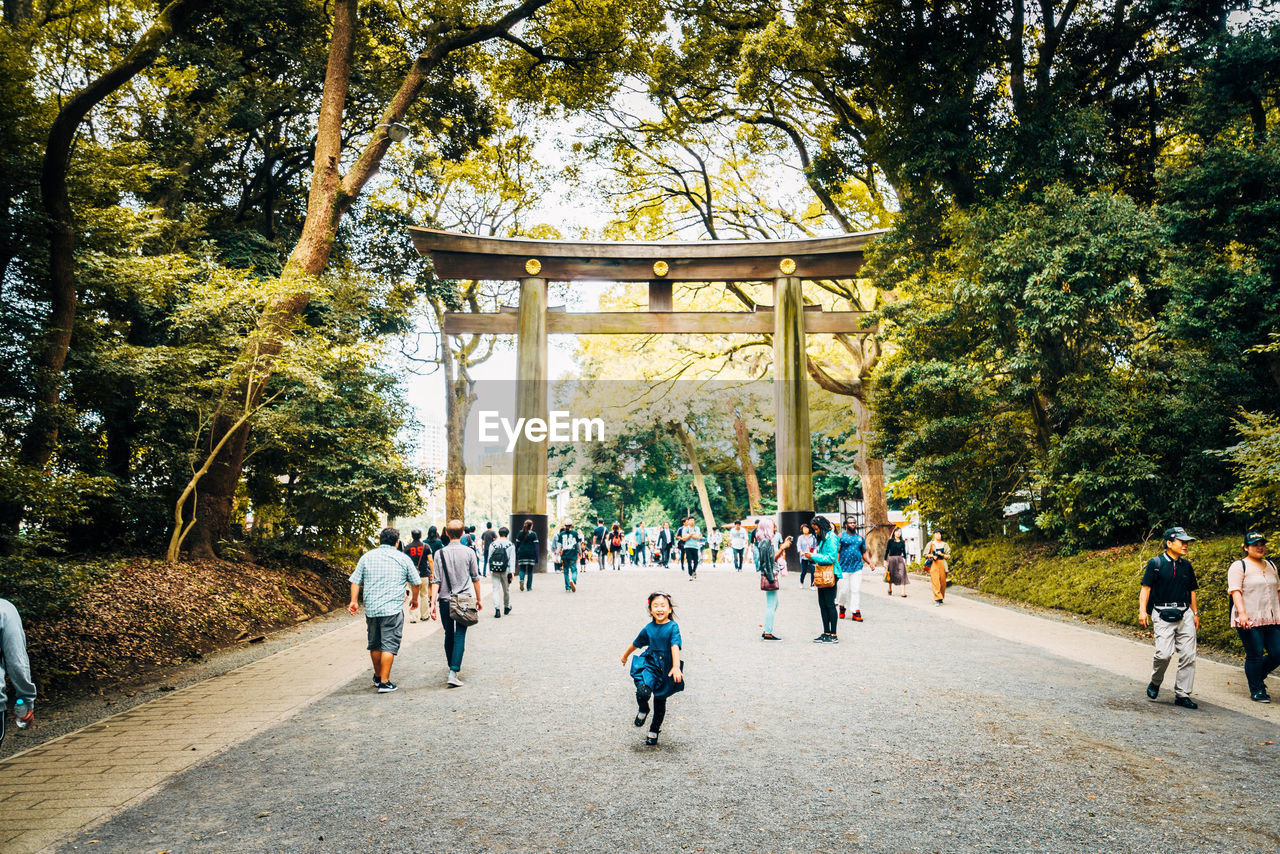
<point x="413" y="615"/>
<point x="454" y="681"/>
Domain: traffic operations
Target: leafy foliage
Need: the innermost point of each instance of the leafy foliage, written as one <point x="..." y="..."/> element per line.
<point x="1078" y="321"/>
<point x="1102" y="584"/>
<point x="1255" y="461"/>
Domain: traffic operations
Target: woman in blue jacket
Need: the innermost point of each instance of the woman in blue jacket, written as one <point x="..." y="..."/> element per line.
<point x="826" y="555"/>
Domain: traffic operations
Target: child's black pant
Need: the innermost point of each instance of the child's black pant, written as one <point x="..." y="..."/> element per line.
<point x="659" y="710"/>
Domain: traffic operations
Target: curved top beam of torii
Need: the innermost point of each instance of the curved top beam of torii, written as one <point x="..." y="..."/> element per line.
<point x="469" y="256"/>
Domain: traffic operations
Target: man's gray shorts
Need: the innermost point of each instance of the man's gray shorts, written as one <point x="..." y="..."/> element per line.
<point x="385" y="632"/>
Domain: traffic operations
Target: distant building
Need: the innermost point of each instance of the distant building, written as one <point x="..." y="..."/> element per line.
<point x="433" y="449"/>
<point x="558" y="505"/>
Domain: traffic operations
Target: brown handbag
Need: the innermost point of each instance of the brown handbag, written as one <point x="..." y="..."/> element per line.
<point x="824" y="575"/>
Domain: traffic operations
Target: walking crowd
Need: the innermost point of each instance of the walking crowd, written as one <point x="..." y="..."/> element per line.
<point x="440" y="579"/>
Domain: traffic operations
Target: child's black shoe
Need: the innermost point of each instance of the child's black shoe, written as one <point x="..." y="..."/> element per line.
<point x="652" y="739"/>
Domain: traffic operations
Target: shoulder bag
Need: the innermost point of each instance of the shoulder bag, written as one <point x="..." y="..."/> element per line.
<point x="463" y="607"/>
<point x="824" y="575"/>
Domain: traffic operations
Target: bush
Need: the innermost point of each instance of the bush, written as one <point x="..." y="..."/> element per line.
<point x="1102" y="584"/>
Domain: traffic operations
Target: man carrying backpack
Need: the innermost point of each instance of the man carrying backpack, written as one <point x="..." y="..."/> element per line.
<point x="420" y="553"/>
<point x="599" y="548"/>
<point x="1167" y="600"/>
<point x="502" y="560"/>
<point x="566" y="545"/>
<point x="486" y="543"/>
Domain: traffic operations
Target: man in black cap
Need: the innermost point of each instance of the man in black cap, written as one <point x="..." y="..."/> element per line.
<point x="1168" y="601"/>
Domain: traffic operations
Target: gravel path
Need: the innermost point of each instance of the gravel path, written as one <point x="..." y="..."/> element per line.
<point x="913" y="734"/>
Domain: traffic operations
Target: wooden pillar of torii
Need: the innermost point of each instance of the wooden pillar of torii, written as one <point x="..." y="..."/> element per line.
<point x="785" y="263"/>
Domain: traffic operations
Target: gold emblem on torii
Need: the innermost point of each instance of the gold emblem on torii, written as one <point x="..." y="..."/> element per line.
<point x="533" y="266"/>
<point x="661" y="268"/>
<point x="788" y="266"/>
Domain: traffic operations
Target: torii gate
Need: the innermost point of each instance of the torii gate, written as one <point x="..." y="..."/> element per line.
<point x="535" y="262"/>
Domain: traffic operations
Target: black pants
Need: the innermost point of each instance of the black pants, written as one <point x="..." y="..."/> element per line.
<point x="827" y="606"/>
<point x="1256" y="664"/>
<point x="737" y="559"/>
<point x="455" y="637"/>
<point x="691" y="560"/>
<point x="805" y="567"/>
<point x="659" y="710"/>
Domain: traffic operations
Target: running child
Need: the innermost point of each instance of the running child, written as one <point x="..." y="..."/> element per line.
<point x="657" y="671"/>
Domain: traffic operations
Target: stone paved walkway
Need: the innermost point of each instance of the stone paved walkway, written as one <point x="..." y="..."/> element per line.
<point x="71" y="782"/>
<point x="965" y="727"/>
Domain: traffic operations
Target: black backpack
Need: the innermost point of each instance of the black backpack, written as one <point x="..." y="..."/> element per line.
<point x="498" y="560"/>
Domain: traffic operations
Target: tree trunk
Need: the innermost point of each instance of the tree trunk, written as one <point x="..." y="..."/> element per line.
<point x="874" y="500"/>
<point x="309" y="258"/>
<point x="330" y="197"/>
<point x="181" y="528"/>
<point x="755" y="501"/>
<point x="218" y="489"/>
<point x="459" y="395"/>
<point x="699" y="482"/>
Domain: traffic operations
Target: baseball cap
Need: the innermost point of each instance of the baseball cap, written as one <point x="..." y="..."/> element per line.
<point x="1178" y="534"/>
<point x="1253" y="537"/>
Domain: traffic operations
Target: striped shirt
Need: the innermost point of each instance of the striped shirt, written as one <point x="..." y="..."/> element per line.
<point x="383" y="573"/>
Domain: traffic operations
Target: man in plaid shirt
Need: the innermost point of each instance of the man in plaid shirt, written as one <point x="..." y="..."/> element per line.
<point x="384" y="572"/>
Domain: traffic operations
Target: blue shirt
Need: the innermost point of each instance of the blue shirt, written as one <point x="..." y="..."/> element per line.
<point x="383" y="573"/>
<point x="652" y="666"/>
<point x="659" y="638"/>
<point x="850" y="551"/>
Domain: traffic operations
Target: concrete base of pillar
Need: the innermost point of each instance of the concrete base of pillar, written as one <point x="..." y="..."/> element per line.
<point x="539" y="528"/>
<point x="789" y="522"/>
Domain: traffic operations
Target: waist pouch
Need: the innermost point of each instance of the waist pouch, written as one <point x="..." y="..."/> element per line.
<point x="1172" y="615"/>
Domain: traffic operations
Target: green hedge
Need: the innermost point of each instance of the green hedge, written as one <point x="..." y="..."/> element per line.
<point x="1102" y="584"/>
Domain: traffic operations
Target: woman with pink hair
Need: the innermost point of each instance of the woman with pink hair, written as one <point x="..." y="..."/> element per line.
<point x="769" y="551"/>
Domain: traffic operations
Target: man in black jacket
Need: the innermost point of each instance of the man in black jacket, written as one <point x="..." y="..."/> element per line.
<point x="665" y="541"/>
<point x="1167" y="601"/>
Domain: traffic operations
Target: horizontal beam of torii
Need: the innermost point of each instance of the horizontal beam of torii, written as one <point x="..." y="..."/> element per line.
<point x="469" y="256"/>
<point x="758" y="322"/>
<point x="660" y="263"/>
